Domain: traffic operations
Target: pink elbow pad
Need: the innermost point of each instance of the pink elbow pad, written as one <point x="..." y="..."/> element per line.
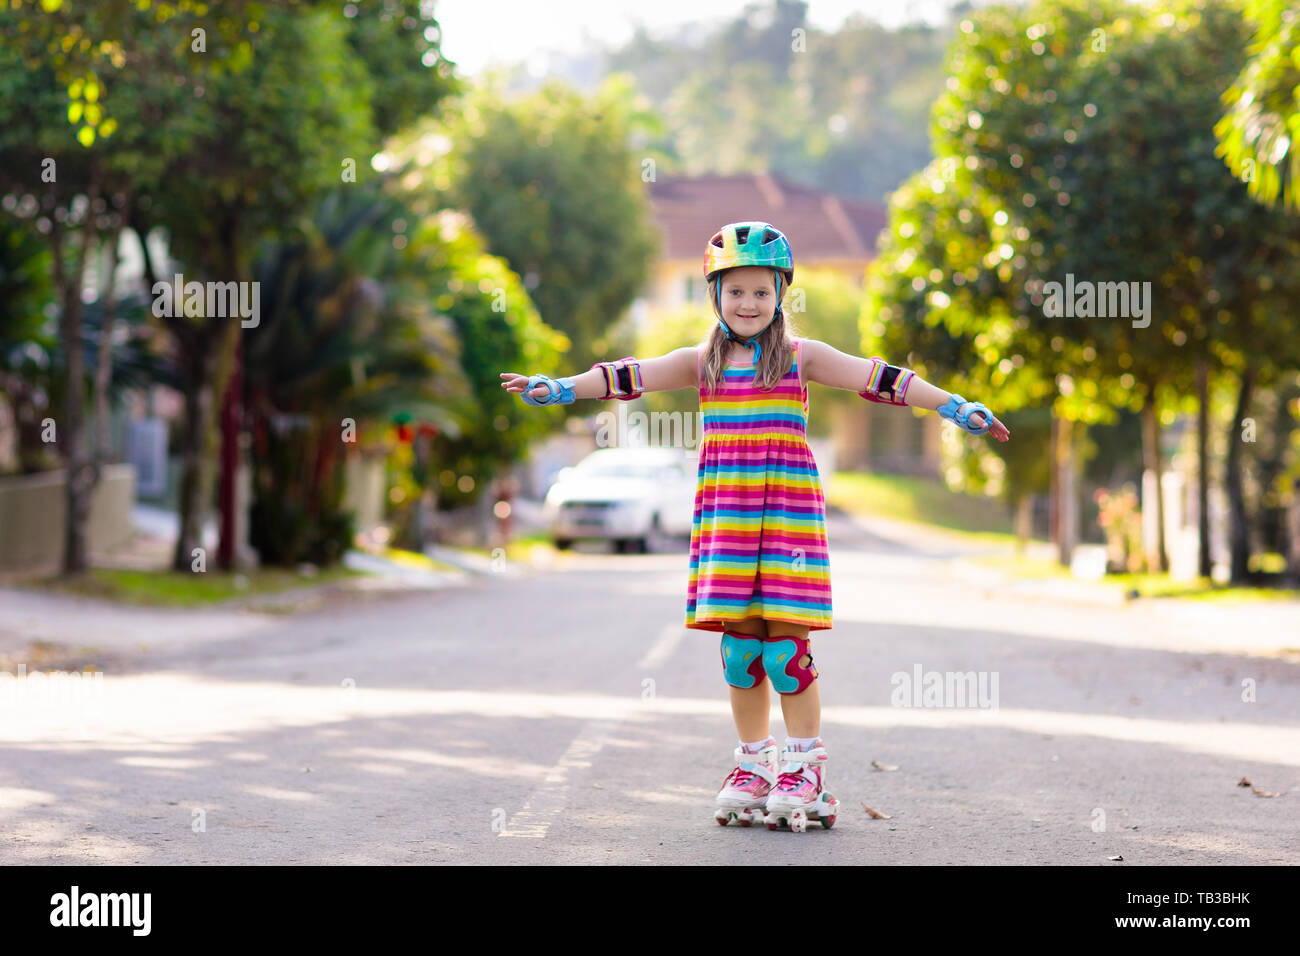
<point x="887" y="384"/>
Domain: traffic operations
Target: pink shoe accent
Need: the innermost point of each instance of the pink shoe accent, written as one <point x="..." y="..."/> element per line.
<point x="806" y="782"/>
<point x="746" y="780"/>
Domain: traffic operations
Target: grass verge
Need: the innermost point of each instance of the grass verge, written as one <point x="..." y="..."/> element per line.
<point x="921" y="501"/>
<point x="520" y="548"/>
<point x="1138" y="585"/>
<point x="188" y="589"/>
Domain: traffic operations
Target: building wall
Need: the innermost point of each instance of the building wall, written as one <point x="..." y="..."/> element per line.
<point x="33" y="517"/>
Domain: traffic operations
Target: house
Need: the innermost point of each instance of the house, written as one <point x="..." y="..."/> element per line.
<point x="827" y="232"/>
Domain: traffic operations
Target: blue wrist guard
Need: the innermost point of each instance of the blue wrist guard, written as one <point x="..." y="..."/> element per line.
<point x="959" y="411"/>
<point x="560" y="391"/>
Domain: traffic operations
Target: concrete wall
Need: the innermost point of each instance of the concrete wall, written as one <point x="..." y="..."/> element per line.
<point x="33" y="511"/>
<point x="365" y="490"/>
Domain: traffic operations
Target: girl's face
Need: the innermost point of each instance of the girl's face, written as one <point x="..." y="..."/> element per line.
<point x="748" y="299"/>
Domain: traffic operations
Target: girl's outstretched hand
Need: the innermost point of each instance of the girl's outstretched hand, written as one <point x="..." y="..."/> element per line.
<point x="515" y="384"/>
<point x="998" y="431"/>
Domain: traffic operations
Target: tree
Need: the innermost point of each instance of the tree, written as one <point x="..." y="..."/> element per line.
<point x="260" y="146"/>
<point x="343" y="346"/>
<point x="552" y="183"/>
<point x="70" y="195"/>
<point x="498" y="328"/>
<point x="1074" y="140"/>
<point x="1260" y="132"/>
<point x="766" y="91"/>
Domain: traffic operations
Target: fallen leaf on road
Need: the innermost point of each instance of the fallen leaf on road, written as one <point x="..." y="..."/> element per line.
<point x="1243" y="782"/>
<point x="1114" y="858"/>
<point x="875" y="814"/>
<point x="883" y="766"/>
<point x="1262" y="793"/>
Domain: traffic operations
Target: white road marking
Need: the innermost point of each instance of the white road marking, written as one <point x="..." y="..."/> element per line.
<point x="548" y="801"/>
<point x="663" y="648"/>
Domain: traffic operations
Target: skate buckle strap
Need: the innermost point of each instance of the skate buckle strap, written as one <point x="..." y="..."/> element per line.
<point x="746" y="762"/>
<point x="816" y="756"/>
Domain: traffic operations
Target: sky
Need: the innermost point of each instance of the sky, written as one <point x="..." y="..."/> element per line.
<point x="476" y="33"/>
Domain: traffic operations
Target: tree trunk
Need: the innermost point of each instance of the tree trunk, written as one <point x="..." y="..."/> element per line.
<point x="1024" y="521"/>
<point x="1067" y="494"/>
<point x="1203" y="466"/>
<point x="1158" y="560"/>
<point x="193" y="496"/>
<point x="226" y="495"/>
<point x="1293" y="535"/>
<point x="206" y="355"/>
<point x="231" y="411"/>
<point x="104" y="360"/>
<point x="80" y="472"/>
<point x="1053" y="489"/>
<point x="1238" y="533"/>
<point x="207" y="344"/>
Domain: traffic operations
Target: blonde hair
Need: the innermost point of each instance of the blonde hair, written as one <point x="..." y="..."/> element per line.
<point x="776" y="341"/>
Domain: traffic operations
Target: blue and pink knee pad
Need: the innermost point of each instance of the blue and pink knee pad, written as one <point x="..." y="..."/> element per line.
<point x="746" y="658"/>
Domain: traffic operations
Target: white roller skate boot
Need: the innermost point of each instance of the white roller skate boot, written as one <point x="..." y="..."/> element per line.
<point x="745" y="791"/>
<point x="800" y="794"/>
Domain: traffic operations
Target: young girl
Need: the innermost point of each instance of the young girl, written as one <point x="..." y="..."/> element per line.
<point x="759" y="563"/>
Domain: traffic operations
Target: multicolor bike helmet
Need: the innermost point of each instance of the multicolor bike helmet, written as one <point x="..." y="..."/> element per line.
<point x="749" y="244"/>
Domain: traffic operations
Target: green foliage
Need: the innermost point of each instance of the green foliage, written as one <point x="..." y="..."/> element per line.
<point x="846" y="110"/>
<point x="28" y="341"/>
<point x="335" y="345"/>
<point x="1075" y="137"/>
<point x="403" y="66"/>
<point x="1014" y="469"/>
<point x="553" y="185"/>
<point x="498" y="329"/>
<point x="85" y="47"/>
<point x="1259" y="135"/>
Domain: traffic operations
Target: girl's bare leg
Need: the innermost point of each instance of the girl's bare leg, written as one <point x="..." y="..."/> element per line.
<point x="802" y="711"/>
<point x="751" y="707"/>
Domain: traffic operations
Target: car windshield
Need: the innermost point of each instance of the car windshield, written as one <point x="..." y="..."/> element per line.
<point x="621" y="469"/>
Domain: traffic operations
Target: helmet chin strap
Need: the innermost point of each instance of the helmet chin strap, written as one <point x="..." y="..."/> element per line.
<point x="752" y="341"/>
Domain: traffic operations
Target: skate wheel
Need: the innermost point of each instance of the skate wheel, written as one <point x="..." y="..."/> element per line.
<point x="723" y="817"/>
<point x="828" y="822"/>
<point x="771" y="826"/>
<point x="798" y="822"/>
<point x="746" y="821"/>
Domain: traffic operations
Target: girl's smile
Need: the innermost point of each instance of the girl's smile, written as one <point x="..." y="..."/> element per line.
<point x="749" y="297"/>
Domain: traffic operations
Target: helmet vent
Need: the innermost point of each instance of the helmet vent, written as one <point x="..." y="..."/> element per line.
<point x="742" y="235"/>
<point x="717" y="241"/>
<point x="770" y="236"/>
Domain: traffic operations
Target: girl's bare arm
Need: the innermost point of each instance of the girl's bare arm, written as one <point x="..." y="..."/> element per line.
<point x="827" y="365"/>
<point x="675" y="370"/>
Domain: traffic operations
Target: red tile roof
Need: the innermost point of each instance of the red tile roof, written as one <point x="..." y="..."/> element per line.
<point x="819" y="225"/>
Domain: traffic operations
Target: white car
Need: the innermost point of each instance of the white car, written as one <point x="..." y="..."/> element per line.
<point x="636" y="497"/>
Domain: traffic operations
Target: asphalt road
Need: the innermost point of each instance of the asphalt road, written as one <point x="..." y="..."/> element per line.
<point x="563" y="715"/>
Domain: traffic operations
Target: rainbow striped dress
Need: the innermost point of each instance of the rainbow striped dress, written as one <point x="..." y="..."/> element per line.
<point x="758" y="538"/>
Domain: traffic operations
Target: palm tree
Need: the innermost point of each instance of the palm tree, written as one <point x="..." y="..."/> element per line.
<point x="344" y="343"/>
